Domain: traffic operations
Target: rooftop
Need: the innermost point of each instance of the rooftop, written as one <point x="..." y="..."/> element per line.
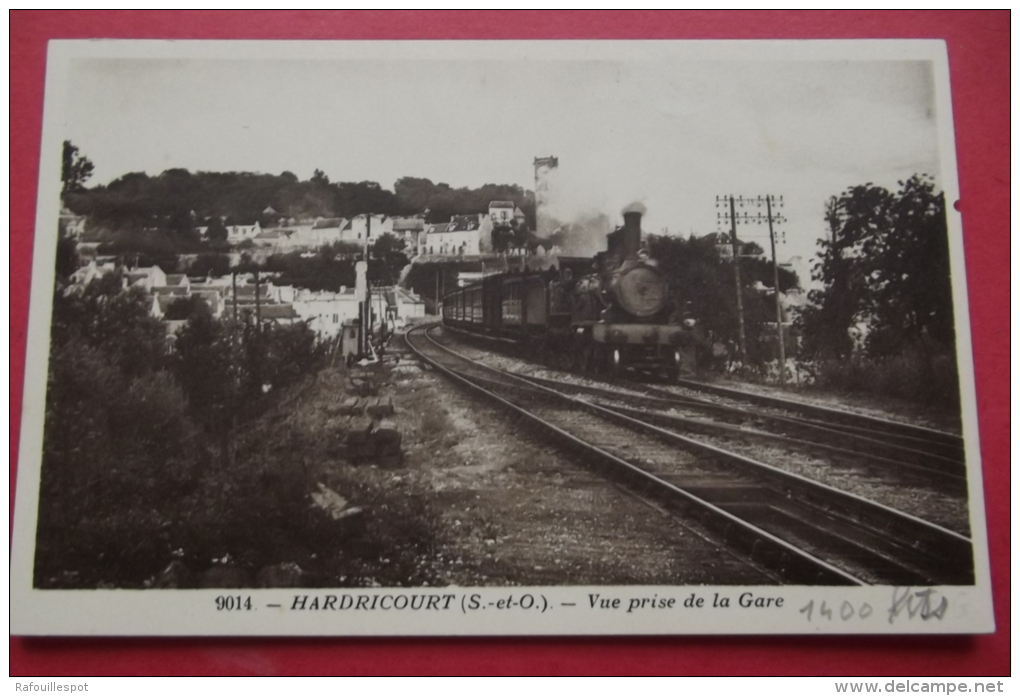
<point x="327" y="223"/>
<point x="278" y="311"/>
<point x="404" y="224"/>
<point x="438" y="227"/>
<point x="170" y="290"/>
<point x="463" y="223"/>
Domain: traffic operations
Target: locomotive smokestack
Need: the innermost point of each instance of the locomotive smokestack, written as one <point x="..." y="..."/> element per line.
<point x="630" y="234"/>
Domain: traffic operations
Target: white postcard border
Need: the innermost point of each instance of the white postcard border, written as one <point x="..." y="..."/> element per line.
<point x="194" y="612"/>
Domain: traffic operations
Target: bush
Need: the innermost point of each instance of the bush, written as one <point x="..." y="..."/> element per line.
<point x="118" y="452"/>
<point x="911" y="376"/>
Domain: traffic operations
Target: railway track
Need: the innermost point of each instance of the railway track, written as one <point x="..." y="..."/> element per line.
<point x="865" y="461"/>
<point x="671" y="410"/>
<point x="807" y="532"/>
<point x="949" y="445"/>
<point x="929" y="448"/>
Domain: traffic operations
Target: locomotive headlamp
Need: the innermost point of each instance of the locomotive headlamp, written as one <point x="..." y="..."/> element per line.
<point x="690" y="322"/>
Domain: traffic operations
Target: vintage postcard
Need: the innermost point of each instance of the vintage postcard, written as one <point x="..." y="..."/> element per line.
<point x="440" y="338"/>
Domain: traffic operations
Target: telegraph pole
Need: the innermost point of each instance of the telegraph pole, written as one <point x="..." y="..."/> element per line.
<point x="233" y="286"/>
<point x="367" y="310"/>
<point x="770" y="217"/>
<point x="258" y="305"/>
<point x="736" y="280"/>
<point x="779" y="304"/>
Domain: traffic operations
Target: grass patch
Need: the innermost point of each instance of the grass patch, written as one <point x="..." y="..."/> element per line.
<point x="911" y="376"/>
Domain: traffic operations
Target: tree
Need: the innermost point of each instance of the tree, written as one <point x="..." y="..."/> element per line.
<point x="202" y="363"/>
<point x="67" y="256"/>
<point x="701" y="286"/>
<point x="215" y="265"/>
<point x="885" y="264"/>
<point x="912" y="298"/>
<point x="183" y="308"/>
<point x="110" y="319"/>
<point x="388" y="259"/>
<point x="76" y="169"/>
<point x="387" y="243"/>
<point x="216" y="231"/>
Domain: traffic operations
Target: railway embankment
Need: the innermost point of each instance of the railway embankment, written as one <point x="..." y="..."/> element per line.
<point x="389" y="475"/>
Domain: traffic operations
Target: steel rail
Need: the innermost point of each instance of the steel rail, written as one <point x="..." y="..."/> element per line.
<point x="915" y="460"/>
<point x="936" y="545"/>
<point x="873" y="423"/>
<point x="947" y="445"/>
<point x="793" y="563"/>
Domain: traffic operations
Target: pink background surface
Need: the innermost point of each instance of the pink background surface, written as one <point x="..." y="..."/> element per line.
<point x="979" y="52"/>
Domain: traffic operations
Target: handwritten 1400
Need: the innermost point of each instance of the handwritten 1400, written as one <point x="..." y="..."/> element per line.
<point x="925" y="604"/>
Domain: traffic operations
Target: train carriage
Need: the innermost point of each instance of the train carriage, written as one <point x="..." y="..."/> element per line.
<point x="613" y="315"/>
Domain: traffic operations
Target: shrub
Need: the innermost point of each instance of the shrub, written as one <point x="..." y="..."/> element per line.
<point x="910" y="375"/>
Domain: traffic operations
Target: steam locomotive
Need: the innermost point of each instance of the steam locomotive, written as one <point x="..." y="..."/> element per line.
<point x="608" y="314"/>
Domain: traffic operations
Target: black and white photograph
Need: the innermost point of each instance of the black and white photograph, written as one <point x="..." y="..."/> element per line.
<point x="499" y="338"/>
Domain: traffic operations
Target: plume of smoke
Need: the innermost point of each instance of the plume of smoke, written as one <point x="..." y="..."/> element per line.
<point x="585" y="235"/>
<point x="576" y="211"/>
<point x="635" y="207"/>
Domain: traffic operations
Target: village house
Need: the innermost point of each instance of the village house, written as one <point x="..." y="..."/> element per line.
<point x="408" y="230"/>
<point x="357" y="230"/>
<point x="464" y="235"/>
<point x="279" y="314"/>
<point x="323" y="231"/>
<point x="275" y="238"/>
<point x="178" y="280"/>
<point x="429" y="240"/>
<point x="72" y="225"/>
<point x="294" y="235"/>
<point x="404" y="307"/>
<point x="501" y="212"/>
<point x="146" y="277"/>
<point x="239" y="233"/>
<point x="505" y="214"/>
<point x="93" y="270"/>
<point x="171" y="291"/>
<point x="324" y="312"/>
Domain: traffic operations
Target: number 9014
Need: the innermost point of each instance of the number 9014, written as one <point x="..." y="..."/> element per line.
<point x="233" y="603"/>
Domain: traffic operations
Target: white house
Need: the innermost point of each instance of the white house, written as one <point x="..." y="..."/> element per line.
<point x="357" y="230"/>
<point x="146" y="277"/>
<point x="324" y="312"/>
<point x="178" y="280"/>
<point x="92" y="271"/>
<point x="429" y="240"/>
<point x="409" y="229"/>
<point x="324" y="231"/>
<point x="501" y="212"/>
<point x="464" y="235"/>
<point x="73" y="225"/>
<point x="239" y="233"/>
<point x="406" y="306"/>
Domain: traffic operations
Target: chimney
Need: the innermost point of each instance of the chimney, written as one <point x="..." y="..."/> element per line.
<point x="625" y="242"/>
<point x="630" y="241"/>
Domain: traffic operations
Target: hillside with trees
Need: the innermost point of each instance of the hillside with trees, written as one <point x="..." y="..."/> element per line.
<point x="177" y="201"/>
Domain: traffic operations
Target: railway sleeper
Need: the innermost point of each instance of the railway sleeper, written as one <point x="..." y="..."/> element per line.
<point x="946" y="548"/>
<point x="794" y="565"/>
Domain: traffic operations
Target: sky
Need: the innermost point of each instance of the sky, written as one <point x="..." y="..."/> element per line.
<point x="672" y="134"/>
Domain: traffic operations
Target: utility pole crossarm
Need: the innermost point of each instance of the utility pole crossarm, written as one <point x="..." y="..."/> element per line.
<point x="771" y="218"/>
